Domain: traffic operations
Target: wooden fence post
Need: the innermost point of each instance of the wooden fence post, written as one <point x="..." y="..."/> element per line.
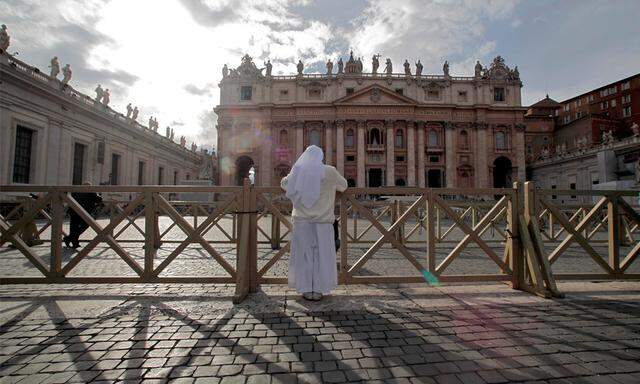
<point x="57" y="220"/>
<point x="431" y="234"/>
<point x="613" y="223"/>
<point x="242" y="245"/>
<point x="253" y="239"/>
<point x="275" y="232"/>
<point x="516" y="259"/>
<point x="150" y="234"/>
<point x="344" y="240"/>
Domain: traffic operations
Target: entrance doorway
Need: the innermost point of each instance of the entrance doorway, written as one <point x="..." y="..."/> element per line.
<point x="243" y="165"/>
<point x="375" y="177"/>
<point x="434" y="178"/>
<point x="502" y="171"/>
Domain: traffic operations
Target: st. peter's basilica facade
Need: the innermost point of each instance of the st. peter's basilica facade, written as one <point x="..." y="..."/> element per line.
<point x="377" y="129"/>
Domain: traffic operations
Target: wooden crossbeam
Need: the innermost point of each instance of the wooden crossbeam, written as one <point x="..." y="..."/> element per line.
<point x="23" y="248"/>
<point x="633" y="254"/>
<point x="25" y="219"/>
<point x="574" y="233"/>
<point x="471" y="234"/>
<point x="102" y="234"/>
<point x="386" y="236"/>
<point x="130" y="223"/>
<point x="193" y="234"/>
<point x="364" y="232"/>
<point x="454" y="225"/>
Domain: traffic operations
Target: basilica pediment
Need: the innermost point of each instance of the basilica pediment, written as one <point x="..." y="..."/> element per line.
<point x="376" y="94"/>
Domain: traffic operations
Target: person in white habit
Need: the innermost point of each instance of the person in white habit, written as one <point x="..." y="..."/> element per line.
<point x="311" y="186"/>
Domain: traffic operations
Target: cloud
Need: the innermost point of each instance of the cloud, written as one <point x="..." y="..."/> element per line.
<point x="433" y="31"/>
<point x="199" y="91"/>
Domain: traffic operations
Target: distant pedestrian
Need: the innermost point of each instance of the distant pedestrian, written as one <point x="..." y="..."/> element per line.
<point x="311" y="186"/>
<point x="89" y="201"/>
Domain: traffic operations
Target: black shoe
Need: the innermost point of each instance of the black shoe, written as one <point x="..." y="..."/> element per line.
<point x="75" y="246"/>
<point x="67" y="241"/>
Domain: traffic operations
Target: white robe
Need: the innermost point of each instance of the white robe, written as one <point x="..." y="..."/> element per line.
<point x="312" y="261"/>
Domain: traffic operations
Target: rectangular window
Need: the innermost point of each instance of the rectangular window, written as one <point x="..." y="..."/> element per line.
<point x="462" y="95"/>
<point x="22" y="158"/>
<point x="612" y="90"/>
<point x="78" y="164"/>
<point x="626" y="85"/>
<point x="141" y="172"/>
<point x="433" y="95"/>
<point x="284" y="94"/>
<point x="590" y="98"/>
<point x="160" y="175"/>
<point x="434" y="159"/>
<point x="350" y="158"/>
<point x="553" y="196"/>
<point x="399" y="91"/>
<point x="566" y="108"/>
<point x="246" y="92"/>
<point x="573" y="187"/>
<point x="613" y="103"/>
<point x="498" y="94"/>
<point x="175" y="177"/>
<point x="626" y="99"/>
<point x="115" y="167"/>
<point x="579" y="102"/>
<point x="400" y="159"/>
<point x="626" y="111"/>
<point x="350" y="91"/>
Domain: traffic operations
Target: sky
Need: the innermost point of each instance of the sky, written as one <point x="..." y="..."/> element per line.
<point x="166" y="56"/>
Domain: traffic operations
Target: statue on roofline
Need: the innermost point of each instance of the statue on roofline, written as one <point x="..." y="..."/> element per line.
<point x="340" y="66"/>
<point x="388" y="69"/>
<point x="375" y="63"/>
<point x="66" y="73"/>
<point x="419" y="68"/>
<point x="55" y="67"/>
<point x="5" y="39"/>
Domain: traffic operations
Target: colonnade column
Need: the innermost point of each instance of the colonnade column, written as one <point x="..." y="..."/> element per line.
<point x="340" y="146"/>
<point x="391" y="177"/>
<point x="328" y="143"/>
<point x="449" y="154"/>
<point x="361" y="154"/>
<point x="421" y="149"/>
<point x="299" y="138"/>
<point x="482" y="167"/>
<point x="411" y="155"/>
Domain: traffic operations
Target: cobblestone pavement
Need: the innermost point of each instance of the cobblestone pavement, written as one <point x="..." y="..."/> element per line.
<point x="386" y="333"/>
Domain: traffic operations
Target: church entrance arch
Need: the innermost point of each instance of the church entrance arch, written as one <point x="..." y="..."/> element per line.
<point x="502" y="170"/>
<point x="243" y="165"/>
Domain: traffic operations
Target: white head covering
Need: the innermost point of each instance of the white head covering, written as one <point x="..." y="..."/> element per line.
<point x="305" y="178"/>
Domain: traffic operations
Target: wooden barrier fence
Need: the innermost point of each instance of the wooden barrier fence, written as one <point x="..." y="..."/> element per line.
<point x="521" y="231"/>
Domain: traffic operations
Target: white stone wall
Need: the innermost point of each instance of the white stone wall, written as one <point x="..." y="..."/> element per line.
<point x="60" y="120"/>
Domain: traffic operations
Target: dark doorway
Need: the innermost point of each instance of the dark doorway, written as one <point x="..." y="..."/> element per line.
<point x="400" y="183"/>
<point x="243" y="165"/>
<point x="502" y="170"/>
<point x="375" y="177"/>
<point x="434" y="178"/>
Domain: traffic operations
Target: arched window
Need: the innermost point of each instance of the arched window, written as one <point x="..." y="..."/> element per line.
<point x="374" y="137"/>
<point x="349" y="141"/>
<point x="464" y="140"/>
<point x="284" y="138"/>
<point x="501" y="140"/>
<point x="314" y="137"/>
<point x="399" y="139"/>
<point x="433" y="138"/>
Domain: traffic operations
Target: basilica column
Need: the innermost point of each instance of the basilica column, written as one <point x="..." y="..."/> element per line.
<point x="482" y="167"/>
<point x="266" y="154"/>
<point x="391" y="177"/>
<point x="421" y="148"/>
<point x="328" y="143"/>
<point x="411" y="155"/>
<point x="299" y="138"/>
<point x="361" y="155"/>
<point x="340" y="146"/>
<point x="520" y="152"/>
<point x="449" y="154"/>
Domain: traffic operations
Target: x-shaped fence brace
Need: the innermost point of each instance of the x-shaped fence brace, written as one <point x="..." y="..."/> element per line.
<point x="194" y="234"/>
<point x="10" y="232"/>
